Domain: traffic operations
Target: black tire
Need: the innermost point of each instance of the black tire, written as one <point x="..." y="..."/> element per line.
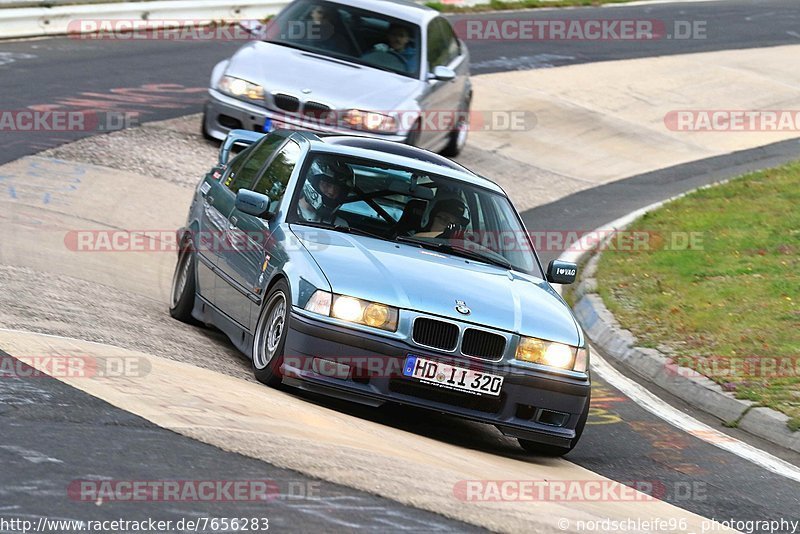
<point x="458" y="135"/>
<point x="541" y="449"/>
<point x="183" y="287"/>
<point x="268" y="342"/>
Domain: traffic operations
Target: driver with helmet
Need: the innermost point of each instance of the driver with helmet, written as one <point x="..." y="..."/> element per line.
<point x="326" y="188"/>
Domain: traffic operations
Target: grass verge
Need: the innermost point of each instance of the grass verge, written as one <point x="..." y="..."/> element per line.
<point x="715" y="283"/>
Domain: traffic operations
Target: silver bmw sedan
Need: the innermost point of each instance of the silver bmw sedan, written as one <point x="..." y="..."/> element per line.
<point x="386" y="69"/>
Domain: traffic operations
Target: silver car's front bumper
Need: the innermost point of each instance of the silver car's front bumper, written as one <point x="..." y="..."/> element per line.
<point x="223" y="113"/>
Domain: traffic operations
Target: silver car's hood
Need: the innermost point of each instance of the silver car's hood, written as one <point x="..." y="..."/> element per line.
<point x="335" y="83"/>
<point x="409" y="277"/>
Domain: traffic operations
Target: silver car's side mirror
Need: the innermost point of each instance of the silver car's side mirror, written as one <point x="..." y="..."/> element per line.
<point x="442" y="73"/>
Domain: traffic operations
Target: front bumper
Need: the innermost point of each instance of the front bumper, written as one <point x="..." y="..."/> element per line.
<point x="223" y="113"/>
<point x="527" y="400"/>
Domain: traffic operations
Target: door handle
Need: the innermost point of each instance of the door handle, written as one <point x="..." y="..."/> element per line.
<point x="234" y="220"/>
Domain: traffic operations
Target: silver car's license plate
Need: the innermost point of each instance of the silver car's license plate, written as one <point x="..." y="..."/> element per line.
<point x="452" y="377"/>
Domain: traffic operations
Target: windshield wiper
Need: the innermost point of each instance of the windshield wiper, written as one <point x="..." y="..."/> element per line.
<point x="456" y="251"/>
<point x="341" y="228"/>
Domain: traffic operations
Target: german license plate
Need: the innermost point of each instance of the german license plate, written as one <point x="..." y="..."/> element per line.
<point x="452" y="377"/>
<point x="268" y="125"/>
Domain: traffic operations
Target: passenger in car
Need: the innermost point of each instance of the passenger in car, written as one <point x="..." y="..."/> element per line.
<point x="447" y="216"/>
<point x="325" y="30"/>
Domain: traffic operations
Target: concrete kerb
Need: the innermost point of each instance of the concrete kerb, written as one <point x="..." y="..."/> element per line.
<point x="602" y="328"/>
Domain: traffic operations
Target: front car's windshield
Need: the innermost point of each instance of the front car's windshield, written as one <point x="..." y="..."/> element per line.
<point x="346" y="32"/>
<point x="406" y="205"/>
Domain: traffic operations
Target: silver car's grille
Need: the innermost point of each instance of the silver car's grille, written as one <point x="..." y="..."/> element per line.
<point x="287" y="102"/>
<point x="435" y="334"/>
<point x="482" y="344"/>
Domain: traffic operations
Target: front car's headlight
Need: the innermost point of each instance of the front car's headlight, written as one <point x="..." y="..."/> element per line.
<point x="241" y="88"/>
<point x="358" y="119"/>
<point x="552" y="354"/>
<point x="353" y="310"/>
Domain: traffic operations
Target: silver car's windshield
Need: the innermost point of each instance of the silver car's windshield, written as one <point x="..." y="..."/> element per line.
<point x="406" y="205"/>
<point x="345" y="32"/>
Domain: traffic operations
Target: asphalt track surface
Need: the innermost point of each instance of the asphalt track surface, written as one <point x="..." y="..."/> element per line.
<point x="623" y="442"/>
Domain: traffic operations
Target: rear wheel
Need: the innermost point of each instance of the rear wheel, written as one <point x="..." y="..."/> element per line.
<point x="541" y="449"/>
<point x="270" y="336"/>
<point x="183" y="287"/>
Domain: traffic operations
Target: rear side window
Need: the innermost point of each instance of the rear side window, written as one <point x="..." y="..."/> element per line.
<point x="244" y="171"/>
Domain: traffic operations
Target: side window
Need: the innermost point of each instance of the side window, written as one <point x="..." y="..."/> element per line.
<point x="452" y="47"/>
<point x="243" y="174"/>
<point x="437" y="51"/>
<point x="275" y="178"/>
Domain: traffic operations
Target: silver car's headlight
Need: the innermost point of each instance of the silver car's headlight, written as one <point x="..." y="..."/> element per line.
<point x="358" y="119"/>
<point x="353" y="310"/>
<point x="552" y="354"/>
<point x="241" y="88"/>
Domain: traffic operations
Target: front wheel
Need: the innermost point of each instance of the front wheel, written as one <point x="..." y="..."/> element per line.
<point x="183" y="287"/>
<point x="269" y="338"/>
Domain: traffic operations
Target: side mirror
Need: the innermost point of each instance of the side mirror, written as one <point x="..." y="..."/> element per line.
<point x="561" y="272"/>
<point x="253" y="203"/>
<point x="443" y="73"/>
